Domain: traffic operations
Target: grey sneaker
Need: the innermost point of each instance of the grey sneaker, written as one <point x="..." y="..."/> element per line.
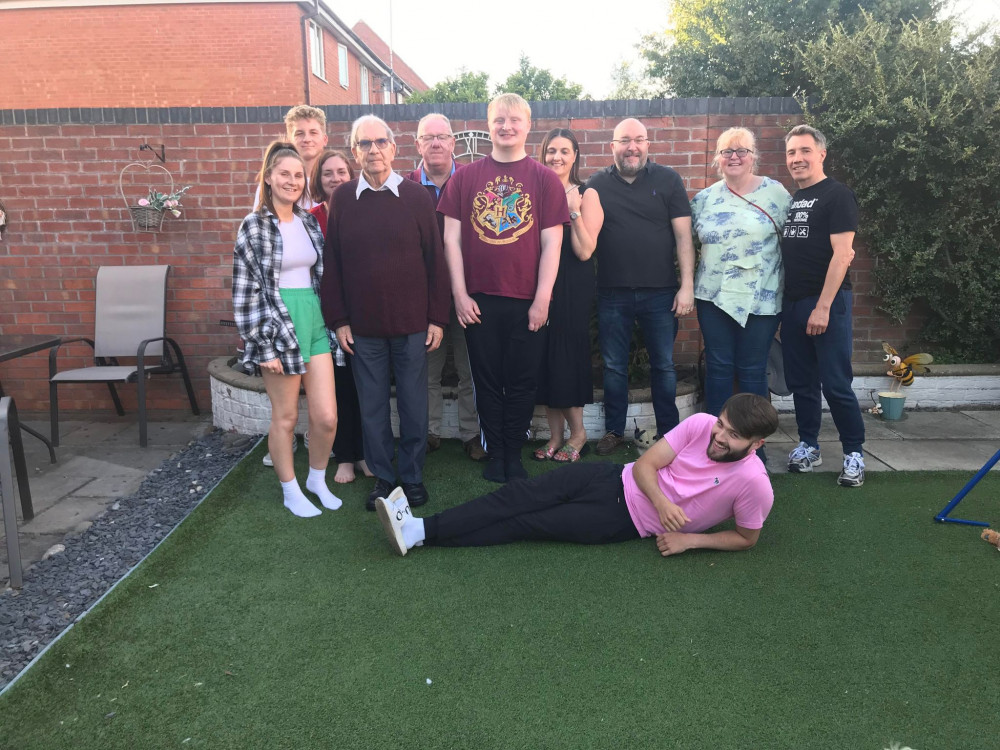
<point x="803" y="459"/>
<point x="295" y="446"/>
<point x="853" y="474"/>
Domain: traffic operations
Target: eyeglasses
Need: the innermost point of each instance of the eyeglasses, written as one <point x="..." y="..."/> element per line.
<point x="626" y="142"/>
<point x="442" y="137"/>
<point x="379" y="143"/>
<point x="740" y="152"/>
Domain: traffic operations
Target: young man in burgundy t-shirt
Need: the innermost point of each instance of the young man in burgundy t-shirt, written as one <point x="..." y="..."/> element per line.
<point x="503" y="231"/>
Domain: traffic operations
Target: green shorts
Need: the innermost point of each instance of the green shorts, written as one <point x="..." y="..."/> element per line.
<point x="310" y="330"/>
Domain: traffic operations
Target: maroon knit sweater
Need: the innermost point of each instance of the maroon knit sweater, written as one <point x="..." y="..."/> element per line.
<point x="384" y="268"/>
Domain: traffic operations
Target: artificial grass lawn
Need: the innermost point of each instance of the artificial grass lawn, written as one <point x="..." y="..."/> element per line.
<point x="855" y="622"/>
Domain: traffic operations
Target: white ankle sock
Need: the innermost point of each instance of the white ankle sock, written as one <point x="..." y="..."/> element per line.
<point x="316" y="483"/>
<point x="296" y="502"/>
<point x="413" y="532"/>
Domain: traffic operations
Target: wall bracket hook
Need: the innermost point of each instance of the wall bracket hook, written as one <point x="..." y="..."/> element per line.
<point x="162" y="155"/>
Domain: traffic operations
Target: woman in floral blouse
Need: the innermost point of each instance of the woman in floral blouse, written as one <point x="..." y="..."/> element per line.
<point x="738" y="281"/>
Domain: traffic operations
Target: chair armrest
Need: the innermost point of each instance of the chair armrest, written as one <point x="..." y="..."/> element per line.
<point x="141" y="354"/>
<point x="54" y="351"/>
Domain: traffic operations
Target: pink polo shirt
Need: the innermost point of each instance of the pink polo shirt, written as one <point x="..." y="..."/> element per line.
<point x="709" y="492"/>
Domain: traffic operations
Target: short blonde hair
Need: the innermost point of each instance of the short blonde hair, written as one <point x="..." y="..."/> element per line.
<point x="742" y="136"/>
<point x="433" y="116"/>
<point x="303" y="112"/>
<point x="509" y="102"/>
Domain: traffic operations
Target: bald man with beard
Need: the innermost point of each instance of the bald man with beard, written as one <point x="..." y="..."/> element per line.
<point x="645" y="275"/>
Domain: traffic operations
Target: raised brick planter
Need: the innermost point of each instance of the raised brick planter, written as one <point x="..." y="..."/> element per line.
<point x="239" y="403"/>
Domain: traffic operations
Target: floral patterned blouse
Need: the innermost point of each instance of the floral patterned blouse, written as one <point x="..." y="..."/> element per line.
<point x="739" y="266"/>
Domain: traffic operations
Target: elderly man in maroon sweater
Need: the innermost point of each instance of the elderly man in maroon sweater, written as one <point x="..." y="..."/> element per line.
<point x="385" y="291"/>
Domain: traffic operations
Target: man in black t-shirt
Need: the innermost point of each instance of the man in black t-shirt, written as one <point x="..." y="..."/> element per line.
<point x="647" y="228"/>
<point x="816" y="329"/>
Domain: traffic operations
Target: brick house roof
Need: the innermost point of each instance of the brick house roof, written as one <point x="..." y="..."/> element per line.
<point x="381" y="49"/>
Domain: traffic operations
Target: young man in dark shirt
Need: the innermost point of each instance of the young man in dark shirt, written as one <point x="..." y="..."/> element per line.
<point x="816" y="330"/>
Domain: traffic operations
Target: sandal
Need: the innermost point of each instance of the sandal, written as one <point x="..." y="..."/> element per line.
<point x="569" y="454"/>
<point x="544" y="453"/>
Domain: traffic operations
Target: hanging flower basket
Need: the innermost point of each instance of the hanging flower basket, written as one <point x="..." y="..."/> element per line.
<point x="146" y="219"/>
<point x="147" y="213"/>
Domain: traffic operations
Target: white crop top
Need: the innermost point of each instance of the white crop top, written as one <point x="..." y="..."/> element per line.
<point x="298" y="255"/>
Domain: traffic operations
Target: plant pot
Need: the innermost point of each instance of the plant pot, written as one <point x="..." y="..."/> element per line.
<point x="146" y="218"/>
<point x="892" y="404"/>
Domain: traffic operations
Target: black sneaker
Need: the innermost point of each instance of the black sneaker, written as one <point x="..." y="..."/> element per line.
<point x="382" y="489"/>
<point x="415" y="493"/>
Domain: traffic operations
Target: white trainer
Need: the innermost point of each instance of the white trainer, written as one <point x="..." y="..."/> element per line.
<point x="295" y="446"/>
<point x="803" y="458"/>
<point x="393" y="512"/>
<point x="853" y="474"/>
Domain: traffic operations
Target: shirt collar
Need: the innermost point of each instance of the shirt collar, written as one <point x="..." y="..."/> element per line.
<point x="425" y="180"/>
<point x="391" y="184"/>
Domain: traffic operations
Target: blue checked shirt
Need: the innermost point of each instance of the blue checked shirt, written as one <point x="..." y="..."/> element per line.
<point x="261" y="317"/>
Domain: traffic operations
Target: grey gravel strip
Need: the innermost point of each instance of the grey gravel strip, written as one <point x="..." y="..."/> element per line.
<point x="58" y="590"/>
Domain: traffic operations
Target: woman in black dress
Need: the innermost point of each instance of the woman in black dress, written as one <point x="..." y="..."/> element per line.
<point x="565" y="383"/>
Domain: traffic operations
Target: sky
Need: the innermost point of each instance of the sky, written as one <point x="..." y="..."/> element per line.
<point x="580" y="41"/>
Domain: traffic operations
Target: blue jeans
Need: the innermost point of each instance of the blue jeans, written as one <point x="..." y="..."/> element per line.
<point x="815" y="364"/>
<point x="732" y="350"/>
<point x="618" y="309"/>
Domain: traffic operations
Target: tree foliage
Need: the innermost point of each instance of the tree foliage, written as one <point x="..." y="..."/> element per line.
<point x="534" y="84"/>
<point x="913" y="114"/>
<point x="538" y="84"/>
<point x="465" y="87"/>
<point x="750" y="47"/>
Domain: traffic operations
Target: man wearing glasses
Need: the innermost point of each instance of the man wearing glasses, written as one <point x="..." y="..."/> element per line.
<point x="436" y="146"/>
<point x="645" y="240"/>
<point x="385" y="293"/>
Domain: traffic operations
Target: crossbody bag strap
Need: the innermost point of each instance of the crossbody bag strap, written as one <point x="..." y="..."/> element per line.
<point x="777" y="231"/>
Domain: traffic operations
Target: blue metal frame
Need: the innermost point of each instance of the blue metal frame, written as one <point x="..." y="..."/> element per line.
<point x="942" y="517"/>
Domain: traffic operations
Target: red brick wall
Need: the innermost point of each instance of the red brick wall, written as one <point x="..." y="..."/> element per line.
<point x="60" y="186"/>
<point x="152" y="55"/>
<point x="329" y="91"/>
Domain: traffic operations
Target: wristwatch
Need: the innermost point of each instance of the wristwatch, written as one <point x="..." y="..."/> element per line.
<point x="574" y="215"/>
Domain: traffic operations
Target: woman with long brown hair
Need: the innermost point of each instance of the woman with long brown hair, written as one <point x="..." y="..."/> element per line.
<point x="277" y="266"/>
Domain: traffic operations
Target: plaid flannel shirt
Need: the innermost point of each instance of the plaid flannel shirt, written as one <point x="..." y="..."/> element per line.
<point x="261" y="317"/>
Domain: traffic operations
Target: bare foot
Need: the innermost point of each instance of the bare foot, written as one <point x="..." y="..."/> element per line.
<point x="345" y="473"/>
<point x="364" y="468"/>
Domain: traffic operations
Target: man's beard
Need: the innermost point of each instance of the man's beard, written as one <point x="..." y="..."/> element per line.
<point x="730" y="456"/>
<point x="626" y="171"/>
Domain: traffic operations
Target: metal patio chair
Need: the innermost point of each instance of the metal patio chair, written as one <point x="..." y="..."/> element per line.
<point x="130" y="322"/>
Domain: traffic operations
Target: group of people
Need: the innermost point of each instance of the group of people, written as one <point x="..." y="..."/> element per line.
<point x="498" y="257"/>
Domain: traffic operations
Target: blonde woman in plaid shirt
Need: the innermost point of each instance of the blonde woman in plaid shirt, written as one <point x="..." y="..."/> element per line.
<point x="277" y="266"/>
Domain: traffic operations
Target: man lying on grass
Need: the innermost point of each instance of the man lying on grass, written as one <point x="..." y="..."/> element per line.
<point x="704" y="471"/>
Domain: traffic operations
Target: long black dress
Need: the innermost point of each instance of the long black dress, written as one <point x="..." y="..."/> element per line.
<point x="566" y="377"/>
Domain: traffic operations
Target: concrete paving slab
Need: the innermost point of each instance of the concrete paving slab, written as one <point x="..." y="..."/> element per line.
<point x="991" y="418"/>
<point x="90" y="433"/>
<point x="940" y="425"/>
<point x="831" y="450"/>
<point x="161" y="434"/>
<point x="933" y="455"/>
<point x="123" y="482"/>
<point x="875" y="428"/>
<point x="68" y="517"/>
<point x="33" y="546"/>
<point x="130" y="456"/>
